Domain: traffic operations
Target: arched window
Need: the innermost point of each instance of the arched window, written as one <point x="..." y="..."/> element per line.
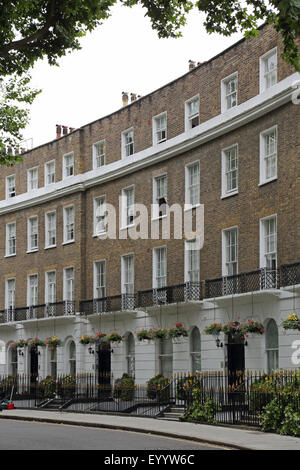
<point x="72" y="358"/>
<point x="195" y="345"/>
<point x="130" y="355"/>
<point x="166" y="357"/>
<point x="272" y="348"/>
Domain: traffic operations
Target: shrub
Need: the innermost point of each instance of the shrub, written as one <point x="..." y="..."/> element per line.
<point x="124" y="388"/>
<point x="201" y="409"/>
<point x="272" y="416"/>
<point x="158" y="388"/>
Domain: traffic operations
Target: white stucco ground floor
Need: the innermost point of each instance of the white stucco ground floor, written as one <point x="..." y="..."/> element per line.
<point x="275" y="349"/>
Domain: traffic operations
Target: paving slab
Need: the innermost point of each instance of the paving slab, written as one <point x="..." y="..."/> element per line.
<point x="230" y="437"/>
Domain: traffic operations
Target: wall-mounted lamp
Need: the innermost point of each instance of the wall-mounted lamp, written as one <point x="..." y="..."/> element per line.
<point x="91" y="350"/>
<point x="219" y="343"/>
<point x="20" y="352"/>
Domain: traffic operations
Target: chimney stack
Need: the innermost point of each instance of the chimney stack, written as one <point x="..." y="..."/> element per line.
<point x="58" y="131"/>
<point x="192" y="64"/>
<point x="132" y="97"/>
<point x="65" y="130"/>
<point x="124" y="98"/>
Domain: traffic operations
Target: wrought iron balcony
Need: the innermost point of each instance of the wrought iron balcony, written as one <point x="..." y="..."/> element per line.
<point x="56" y="309"/>
<point x="290" y="274"/>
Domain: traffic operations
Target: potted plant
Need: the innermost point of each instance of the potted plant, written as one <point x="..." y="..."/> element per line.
<point x="292" y="322"/>
<point x="53" y="342"/>
<point x="34" y="342"/>
<point x="177" y="331"/>
<point x="113" y="337"/>
<point x="144" y="335"/>
<point x="213" y="329"/>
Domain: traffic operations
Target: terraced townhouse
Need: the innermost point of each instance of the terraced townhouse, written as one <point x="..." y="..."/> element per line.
<point x="225" y="137"/>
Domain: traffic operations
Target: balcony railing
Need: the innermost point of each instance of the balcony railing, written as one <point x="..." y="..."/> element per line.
<point x="252" y="281"/>
<point x="290" y="274"/>
<point x="56" y="309"/>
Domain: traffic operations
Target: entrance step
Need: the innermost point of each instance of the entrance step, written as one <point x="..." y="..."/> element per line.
<point x="173" y="413"/>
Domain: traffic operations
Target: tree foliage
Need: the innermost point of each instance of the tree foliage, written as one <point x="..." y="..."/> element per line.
<point x="36" y="29"/>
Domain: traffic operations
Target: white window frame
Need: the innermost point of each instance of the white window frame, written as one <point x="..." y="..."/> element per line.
<point x="7" y="245"/>
<point x="188" y="124"/>
<point x="156" y="206"/>
<point x="101" y="156"/>
<point x="96" y="286"/>
<point x="126" y="146"/>
<point x="125" y="274"/>
<point x="225" y="192"/>
<point x="263" y="179"/>
<point x="31" y="303"/>
<point x="30" y="234"/>
<point x="262" y="239"/>
<point x="225" y="261"/>
<point x="65" y="167"/>
<point x="9" y="192"/>
<point x="31" y="180"/>
<point x="187" y="261"/>
<point x="47" y="238"/>
<point x="66" y="239"/>
<point x="262" y="74"/>
<point x="48" y="289"/>
<point x="188" y="186"/>
<point x="155" y="277"/>
<point x="7" y="306"/>
<point x="65" y="290"/>
<point x="47" y="172"/>
<point x="155" y="129"/>
<point x="102" y="217"/>
<point x="125" y="214"/>
<point x="224" y="92"/>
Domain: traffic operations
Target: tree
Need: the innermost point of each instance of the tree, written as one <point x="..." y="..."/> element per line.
<point x="35" y="29"/>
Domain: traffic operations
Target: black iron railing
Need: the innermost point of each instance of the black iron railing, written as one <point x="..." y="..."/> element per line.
<point x="56" y="309"/>
<point x="290" y="274"/>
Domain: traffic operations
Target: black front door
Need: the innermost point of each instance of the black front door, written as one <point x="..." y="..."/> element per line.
<point x="104" y="368"/>
<point x="34" y="368"/>
<point x="235" y="359"/>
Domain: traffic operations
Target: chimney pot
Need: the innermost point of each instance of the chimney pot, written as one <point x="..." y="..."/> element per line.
<point x="191" y="64"/>
<point x="133" y="97"/>
<point x="124" y="98"/>
<point x="58" y="131"/>
<point x="65" y="130"/>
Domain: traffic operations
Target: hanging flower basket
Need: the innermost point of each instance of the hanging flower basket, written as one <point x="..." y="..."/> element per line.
<point x="253" y="327"/>
<point x="86" y="339"/>
<point x="177" y="331"/>
<point x="113" y="337"/>
<point x="159" y="333"/>
<point x="234" y="329"/>
<point x="53" y="342"/>
<point x="144" y="335"/>
<point x="214" y="329"/>
<point x="98" y="337"/>
<point x="21" y="343"/>
<point x="35" y="342"/>
<point x="292" y="322"/>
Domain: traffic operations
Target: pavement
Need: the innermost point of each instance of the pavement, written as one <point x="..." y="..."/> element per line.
<point x="227" y="437"/>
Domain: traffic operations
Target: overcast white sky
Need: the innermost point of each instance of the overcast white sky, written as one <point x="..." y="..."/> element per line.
<point x="124" y="54"/>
